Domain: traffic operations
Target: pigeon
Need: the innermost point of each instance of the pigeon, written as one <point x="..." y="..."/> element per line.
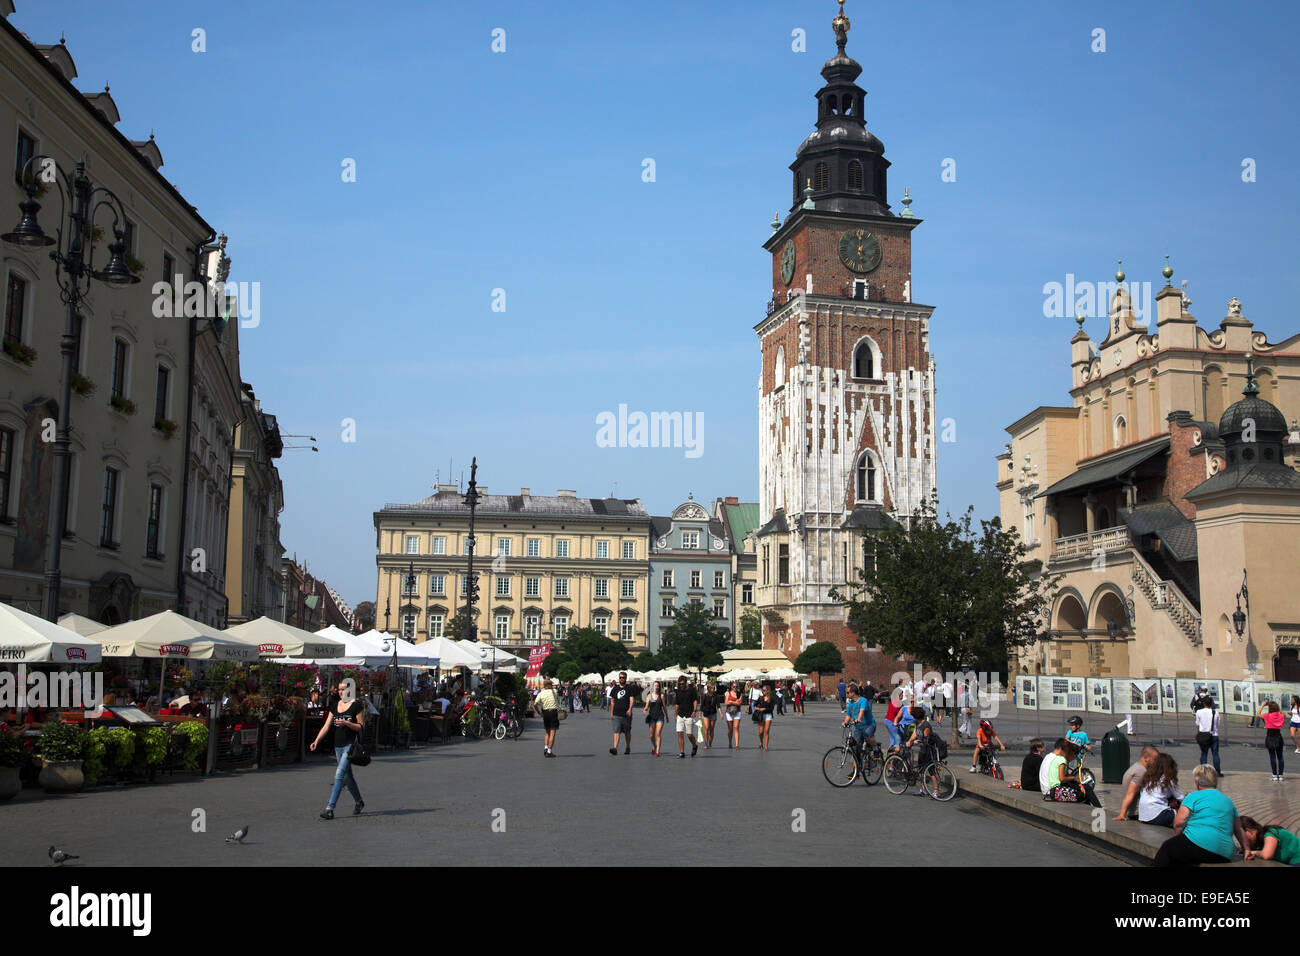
<point x="58" y="857"/>
<point x="238" y="835"/>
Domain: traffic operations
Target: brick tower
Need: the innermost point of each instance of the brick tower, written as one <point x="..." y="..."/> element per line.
<point x="846" y="393"/>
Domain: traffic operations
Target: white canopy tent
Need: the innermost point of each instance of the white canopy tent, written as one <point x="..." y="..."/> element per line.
<point x="407" y="653"/>
<point x="81" y="625"/>
<point x="275" y="639"/>
<point x="168" y="634"/>
<point x="450" y="654"/>
<point x="30" y="639"/>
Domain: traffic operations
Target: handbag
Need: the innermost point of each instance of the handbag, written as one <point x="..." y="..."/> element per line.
<point x="358" y="756"/>
<point x="1204" y="739"/>
<point x="563" y="713"/>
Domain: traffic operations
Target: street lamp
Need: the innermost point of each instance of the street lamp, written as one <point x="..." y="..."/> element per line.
<point x="74" y="267"/>
<point x="471" y="581"/>
<point x="1238" y="617"/>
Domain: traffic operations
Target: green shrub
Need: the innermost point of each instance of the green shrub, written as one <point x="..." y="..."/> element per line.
<point x="60" y="741"/>
<point x="152" y="746"/>
<point x="13" y="751"/>
<point x="92" y="767"/>
<point x="191" y="739"/>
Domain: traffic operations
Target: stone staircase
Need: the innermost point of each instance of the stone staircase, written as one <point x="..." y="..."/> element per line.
<point x="1165" y="595"/>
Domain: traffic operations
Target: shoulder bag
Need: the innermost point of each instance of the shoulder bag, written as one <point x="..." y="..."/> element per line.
<point x="358" y="756"/>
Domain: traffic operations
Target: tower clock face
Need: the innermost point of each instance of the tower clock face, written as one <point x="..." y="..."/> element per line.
<point x="860" y="250"/>
<point x="787" y="262"/>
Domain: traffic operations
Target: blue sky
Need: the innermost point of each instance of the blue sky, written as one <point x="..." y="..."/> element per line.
<point x="522" y="171"/>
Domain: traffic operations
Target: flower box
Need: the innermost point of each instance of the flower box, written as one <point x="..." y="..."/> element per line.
<point x="121" y="404"/>
<point x="22" y="354"/>
<point x="166" y="426"/>
<point x="82" y="385"/>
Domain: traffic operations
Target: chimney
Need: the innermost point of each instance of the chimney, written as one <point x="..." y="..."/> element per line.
<point x="567" y="493"/>
<point x="731" y="500"/>
<point x="524" y="492"/>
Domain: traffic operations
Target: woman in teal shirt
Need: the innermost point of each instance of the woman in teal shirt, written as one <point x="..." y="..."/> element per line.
<point x="1274" y="842"/>
<point x="1204" y="826"/>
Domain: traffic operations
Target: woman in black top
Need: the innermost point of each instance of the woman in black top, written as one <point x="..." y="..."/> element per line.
<point x="347" y="716"/>
<point x="709" y="713"/>
<point x="763" y="708"/>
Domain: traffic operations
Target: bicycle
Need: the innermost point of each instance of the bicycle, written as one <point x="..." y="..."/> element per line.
<point x="507" y="723"/>
<point x="936" y="779"/>
<point x="845" y="763"/>
<point x="988" y="763"/>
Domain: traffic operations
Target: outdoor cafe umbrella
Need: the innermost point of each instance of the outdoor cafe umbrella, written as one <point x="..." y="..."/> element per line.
<point x="81" y="625"/>
<point x="26" y="638"/>
<point x="450" y="654"/>
<point x="407" y="653"/>
<point x="274" y="639"/>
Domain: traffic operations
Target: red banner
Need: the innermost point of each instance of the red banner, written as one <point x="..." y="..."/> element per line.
<point x="535" y="658"/>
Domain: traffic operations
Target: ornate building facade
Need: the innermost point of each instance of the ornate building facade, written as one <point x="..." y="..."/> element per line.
<point x="846" y="390"/>
<point x="690" y="563"/>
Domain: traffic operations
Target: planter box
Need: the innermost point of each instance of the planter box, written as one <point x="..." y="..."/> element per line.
<point x="281" y="743"/>
<point x="237" y="746"/>
<point x="62" y="776"/>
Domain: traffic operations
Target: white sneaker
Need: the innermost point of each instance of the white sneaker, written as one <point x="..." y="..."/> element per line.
<point x="972" y="769"/>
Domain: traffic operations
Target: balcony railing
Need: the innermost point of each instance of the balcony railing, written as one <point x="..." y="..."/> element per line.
<point x="1087" y="545"/>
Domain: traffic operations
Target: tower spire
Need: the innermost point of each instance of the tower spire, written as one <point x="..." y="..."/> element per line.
<point x="1251" y="388"/>
<point x="842" y="26"/>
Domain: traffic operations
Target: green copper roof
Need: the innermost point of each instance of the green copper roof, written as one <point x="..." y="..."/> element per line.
<point x="741" y="520"/>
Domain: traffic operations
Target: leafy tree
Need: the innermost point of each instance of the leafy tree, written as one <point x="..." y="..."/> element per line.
<point x="694" y="640"/>
<point x="567" y="672"/>
<point x="751" y="629"/>
<point x="949" y="594"/>
<point x="551" y="665"/>
<point x="455" y="627"/>
<point x="364" y="615"/>
<point x="822" y="657"/>
<point x="646" y="661"/>
<point x="591" y="651"/>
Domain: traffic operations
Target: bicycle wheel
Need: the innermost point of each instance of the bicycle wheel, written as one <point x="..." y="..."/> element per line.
<point x="839" y="767"/>
<point x="516" y="728"/>
<point x="895" y="773"/>
<point x="997" y="772"/>
<point x="873" y="766"/>
<point x="500" y="732"/>
<point x="1087" y="777"/>
<point x="939" y="782"/>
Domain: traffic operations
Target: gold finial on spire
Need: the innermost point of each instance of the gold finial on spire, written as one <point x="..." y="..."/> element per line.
<point x="842" y="26"/>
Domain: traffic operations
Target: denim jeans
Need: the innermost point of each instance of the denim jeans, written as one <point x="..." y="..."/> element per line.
<point x="1213" y="748"/>
<point x="344" y="775"/>
<point x="1276" y="761"/>
<point x="893" y="733"/>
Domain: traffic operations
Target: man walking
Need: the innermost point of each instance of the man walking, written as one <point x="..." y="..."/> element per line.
<point x="842" y="692"/>
<point x="688" y="706"/>
<point x="620" y="708"/>
<point x="780" y="699"/>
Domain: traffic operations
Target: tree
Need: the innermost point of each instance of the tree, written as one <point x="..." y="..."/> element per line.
<point x="646" y="661"/>
<point x="364" y="615"/>
<point x="823" y="657"/>
<point x="589" y="650"/>
<point x="950" y="595"/>
<point x="567" y="672"/>
<point x="455" y="627"/>
<point x="751" y="629"/>
<point x="553" y="662"/>
<point x="693" y="640"/>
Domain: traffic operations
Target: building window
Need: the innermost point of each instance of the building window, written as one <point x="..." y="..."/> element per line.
<point x="412" y="544"/>
<point x="503" y="547"/>
<point x="532" y="628"/>
<point x="625" y="632"/>
<point x="408" y="625"/>
<point x="666" y="607"/>
<point x="697" y="578"/>
<point x="439" y="544"/>
<point x="690" y="540"/>
<point x="767" y="577"/>
<point x="869" y="556"/>
<point x="629" y="550"/>
<point x="601" y="626"/>
<point x="155" y="519"/>
<point x="503" y="628"/>
<point x="866" y="477"/>
<point x="561" y="626"/>
<point x="15" y="304"/>
<point x="108" y="515"/>
<point x="1121" y="431"/>
<point x="410" y="584"/>
<point x="747" y="594"/>
<point x="438" y="584"/>
<point x="718" y="579"/>
<point x="864" y="356"/>
<point x="602" y="549"/>
<point x="468" y="545"/>
<point x="168" y="268"/>
<point x="119" y="368"/>
<point x="532" y="587"/>
<point x="561" y="587"/>
<point x="719" y="607"/>
<point x="435" y="625"/>
<point x="821" y="177"/>
<point x="6" y="471"/>
<point x="668" y="578"/>
<point x="464" y="586"/>
<point x="561" y="547"/>
<point x="503" y="586"/>
<point x="26" y="150"/>
<point x="855" y="174"/>
<point x="628" y="588"/>
<point x="602" y="587"/>
<point x="783" y="564"/>
<point x="779" y="375"/>
<point x="534" y="547"/>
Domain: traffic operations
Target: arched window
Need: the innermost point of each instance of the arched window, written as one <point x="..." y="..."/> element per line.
<point x="848" y="105"/>
<point x="821" y="177"/>
<point x="867" y="478"/>
<point x="866" y="359"/>
<point x="1121" y="431"/>
<point x="1215" y="389"/>
<point x="855" y="174"/>
<point x="780" y="366"/>
<point x="832" y="105"/>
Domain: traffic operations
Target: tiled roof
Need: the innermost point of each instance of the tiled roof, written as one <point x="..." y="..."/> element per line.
<point x="1261" y="476"/>
<point x="1168" y="524"/>
<point x="454" y="502"/>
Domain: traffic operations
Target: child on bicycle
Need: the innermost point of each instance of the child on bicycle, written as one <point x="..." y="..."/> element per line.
<point x="1079" y="738"/>
<point x="985" y="738"/>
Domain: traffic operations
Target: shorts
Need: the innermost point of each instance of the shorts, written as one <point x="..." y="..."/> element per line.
<point x="686" y="725"/>
<point x="766" y="718"/>
<point x="550" y="720"/>
<point x="622" y="725"/>
<point x="730" y="716"/>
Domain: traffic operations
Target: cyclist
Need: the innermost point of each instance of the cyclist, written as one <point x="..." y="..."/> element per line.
<point x="1079" y="738"/>
<point x="985" y="738"/>
<point x="929" y="752"/>
<point x="858" y="715"/>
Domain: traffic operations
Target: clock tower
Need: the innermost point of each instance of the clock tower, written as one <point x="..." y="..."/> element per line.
<point x="846" y="391"/>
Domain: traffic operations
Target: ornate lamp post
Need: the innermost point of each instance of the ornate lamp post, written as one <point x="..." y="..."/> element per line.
<point x="1238" y="616"/>
<point x="73" y="255"/>
<point x="470" y="631"/>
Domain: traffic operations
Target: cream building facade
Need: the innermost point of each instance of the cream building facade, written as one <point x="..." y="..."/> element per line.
<point x="544" y="564"/>
<point x="1156" y="506"/>
<point x="120" y="555"/>
<point x="254" y="585"/>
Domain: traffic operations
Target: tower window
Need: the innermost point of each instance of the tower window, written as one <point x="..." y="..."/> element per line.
<point x="855" y="174"/>
<point x="848" y="105"/>
<point x="866" y="478"/>
<point x="860" y="292"/>
<point x="821" y="177"/>
<point x="864" y="356"/>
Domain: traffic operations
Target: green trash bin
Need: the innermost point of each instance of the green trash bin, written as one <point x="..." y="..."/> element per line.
<point x="1114" y="757"/>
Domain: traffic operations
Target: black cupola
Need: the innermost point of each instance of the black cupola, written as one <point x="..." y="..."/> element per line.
<point x="843" y="162"/>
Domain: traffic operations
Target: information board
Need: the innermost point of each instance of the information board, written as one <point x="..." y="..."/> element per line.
<point x="1061" y="693"/>
<point x="1100" y="697"/>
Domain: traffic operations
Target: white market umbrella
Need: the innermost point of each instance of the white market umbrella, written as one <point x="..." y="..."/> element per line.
<point x="168" y="634"/>
<point x="26" y="638"/>
<point x="783" y="673"/>
<point x="275" y="639"/>
<point x="407" y="653"/>
<point x="81" y="625"/>
<point x="451" y="654"/>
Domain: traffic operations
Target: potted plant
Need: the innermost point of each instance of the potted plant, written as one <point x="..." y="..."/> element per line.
<point x="63" y="748"/>
<point x="120" y="403"/>
<point x="151" y="746"/>
<point x="13" y="757"/>
<point x="22" y="354"/>
<point x="190" y="740"/>
<point x="83" y="386"/>
<point x="132" y="263"/>
<point x="166" y="426"/>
